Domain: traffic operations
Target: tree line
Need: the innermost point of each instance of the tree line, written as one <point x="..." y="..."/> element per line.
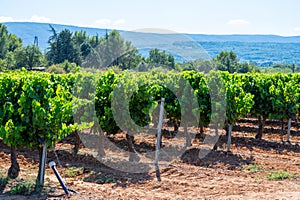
<point x="68" y="50"/>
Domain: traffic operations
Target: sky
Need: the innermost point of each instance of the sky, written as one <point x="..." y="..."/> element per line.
<point x="278" y="17"/>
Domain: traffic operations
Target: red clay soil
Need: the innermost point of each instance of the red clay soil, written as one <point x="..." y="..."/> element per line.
<point x="241" y="174"/>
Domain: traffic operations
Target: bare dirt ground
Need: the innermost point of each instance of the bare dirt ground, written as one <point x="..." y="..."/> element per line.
<point x="241" y="174"/>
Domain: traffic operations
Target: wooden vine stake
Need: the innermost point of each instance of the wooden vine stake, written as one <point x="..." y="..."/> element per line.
<point x="229" y="137"/>
<point x="289" y="130"/>
<point x="158" y="139"/>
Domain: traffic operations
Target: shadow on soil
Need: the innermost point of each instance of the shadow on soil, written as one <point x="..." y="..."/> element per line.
<point x="267" y="130"/>
<point x="100" y="171"/>
<point x="214" y="158"/>
<point x="92" y="169"/>
<point x="265" y="145"/>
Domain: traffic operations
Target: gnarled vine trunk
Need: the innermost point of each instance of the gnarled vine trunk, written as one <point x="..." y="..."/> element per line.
<point x="77" y="142"/>
<point x="215" y="148"/>
<point x="261" y="126"/>
<point x="188" y="140"/>
<point x="13" y="171"/>
<point x="282" y="129"/>
<point x="101" y="151"/>
<point x="176" y="126"/>
<point x="130" y="140"/>
<point x="200" y="134"/>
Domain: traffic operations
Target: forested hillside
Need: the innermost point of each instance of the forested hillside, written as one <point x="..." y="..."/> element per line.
<point x="263" y="50"/>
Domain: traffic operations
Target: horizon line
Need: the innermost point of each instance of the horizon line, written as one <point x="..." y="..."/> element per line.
<point x="170" y="31"/>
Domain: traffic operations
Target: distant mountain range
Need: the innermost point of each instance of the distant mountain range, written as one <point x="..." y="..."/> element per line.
<point x="260" y="49"/>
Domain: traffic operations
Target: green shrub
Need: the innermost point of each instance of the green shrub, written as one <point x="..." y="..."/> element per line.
<point x="23" y="188"/>
<point x="253" y="168"/>
<point x="62" y="68"/>
<point x="56" y="69"/>
<point x="280" y="175"/>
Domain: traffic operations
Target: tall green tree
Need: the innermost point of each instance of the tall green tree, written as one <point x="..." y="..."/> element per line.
<point x="85" y="43"/>
<point x="161" y="58"/>
<point x="3" y="41"/>
<point x="199" y="65"/>
<point x="29" y="57"/>
<point x="227" y="61"/>
<point x="9" y="44"/>
<point x="113" y="50"/>
<point x="119" y="52"/>
<point x="62" y="47"/>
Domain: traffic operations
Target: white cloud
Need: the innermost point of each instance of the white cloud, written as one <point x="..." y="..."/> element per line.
<point x="119" y="21"/>
<point x="108" y="23"/>
<point x="297" y="29"/>
<point x="236" y="22"/>
<point x="36" y="18"/>
<point x="103" y="22"/>
<point x="6" y="19"/>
